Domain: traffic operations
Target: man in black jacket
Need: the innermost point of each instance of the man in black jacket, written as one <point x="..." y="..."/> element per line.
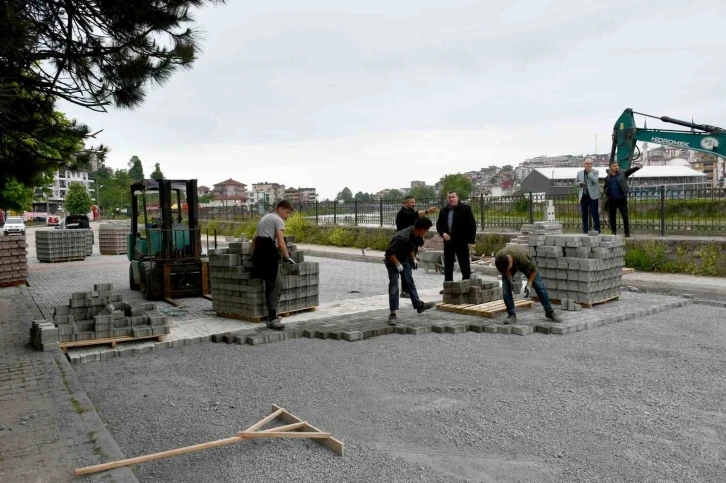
<point x="616" y="191"/>
<point x="406" y="217"/>
<point x="457" y="227"/>
<point x="400" y="260"/>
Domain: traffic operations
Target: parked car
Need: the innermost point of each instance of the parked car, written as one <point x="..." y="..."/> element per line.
<point x="14" y="225"/>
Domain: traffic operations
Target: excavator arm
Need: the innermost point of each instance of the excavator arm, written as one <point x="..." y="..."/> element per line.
<point x="711" y="139"/>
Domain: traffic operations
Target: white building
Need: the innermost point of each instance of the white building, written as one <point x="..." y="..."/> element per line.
<point x="62" y="180"/>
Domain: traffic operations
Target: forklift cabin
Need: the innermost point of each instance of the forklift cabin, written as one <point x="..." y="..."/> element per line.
<point x="165" y="253"/>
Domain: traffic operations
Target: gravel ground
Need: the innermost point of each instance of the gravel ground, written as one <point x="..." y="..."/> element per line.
<point x="636" y="401"/>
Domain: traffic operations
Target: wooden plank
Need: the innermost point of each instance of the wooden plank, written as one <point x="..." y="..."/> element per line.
<point x="589" y="305"/>
<point x="205" y="279"/>
<point x="155" y="456"/>
<point x="275" y="434"/>
<point x="167" y="281"/>
<point x="187" y="449"/>
<point x="111" y="340"/>
<point x="331" y="443"/>
<point x="172" y="302"/>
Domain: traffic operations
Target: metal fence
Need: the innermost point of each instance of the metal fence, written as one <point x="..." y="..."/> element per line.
<point x="655" y="210"/>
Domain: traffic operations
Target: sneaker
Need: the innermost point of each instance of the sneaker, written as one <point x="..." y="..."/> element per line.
<point x="392" y="319"/>
<point x="511" y="319"/>
<point x="425" y="306"/>
<point x="405" y="295"/>
<point x="275" y="324"/>
<point x="553" y="317"/>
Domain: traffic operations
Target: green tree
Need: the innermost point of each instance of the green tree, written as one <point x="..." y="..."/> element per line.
<point x="507" y="168"/>
<point x="206" y="198"/>
<point x="137" y="169"/>
<point x="92" y="54"/>
<point x="393" y="195"/>
<point x="157" y="174"/>
<point x="423" y="192"/>
<point x="16" y="196"/>
<point x="78" y="201"/>
<point x="345" y="195"/>
<point x="456" y="182"/>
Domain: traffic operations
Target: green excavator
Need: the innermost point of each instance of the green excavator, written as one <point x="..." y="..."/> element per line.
<point x="701" y="137"/>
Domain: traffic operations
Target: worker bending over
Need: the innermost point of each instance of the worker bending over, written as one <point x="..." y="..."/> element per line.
<point x="511" y="259"/>
<point x="400" y="260"/>
<point x="406" y="217"/>
<point x="268" y="242"/>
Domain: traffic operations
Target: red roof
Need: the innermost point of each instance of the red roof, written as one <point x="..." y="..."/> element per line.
<point x="230" y="182"/>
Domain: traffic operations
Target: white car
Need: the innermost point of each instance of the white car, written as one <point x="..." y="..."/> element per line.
<point x="14" y="224"/>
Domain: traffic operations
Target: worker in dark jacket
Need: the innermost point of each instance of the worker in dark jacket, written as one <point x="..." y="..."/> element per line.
<point x="457" y="227"/>
<point x="406" y="217"/>
<point x="516" y="258"/>
<point x="400" y="260"/>
<point x="616" y="191"/>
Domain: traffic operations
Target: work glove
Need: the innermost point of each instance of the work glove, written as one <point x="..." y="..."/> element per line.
<point x="289" y="261"/>
<point x="399" y="267"/>
<point x="526" y="291"/>
<point x="414" y="264"/>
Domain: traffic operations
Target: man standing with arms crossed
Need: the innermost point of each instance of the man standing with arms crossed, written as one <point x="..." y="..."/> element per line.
<point x="406" y="217"/>
<point x="616" y="190"/>
<point x="457" y="227"/>
<point x="589" y="192"/>
<point x="268" y="242"/>
<point x="509" y="260"/>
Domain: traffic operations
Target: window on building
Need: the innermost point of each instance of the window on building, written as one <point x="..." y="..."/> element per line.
<point x="62" y="193"/>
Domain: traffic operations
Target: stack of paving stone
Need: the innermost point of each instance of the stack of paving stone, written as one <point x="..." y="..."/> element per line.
<point x="235" y="292"/>
<point x="582" y="269"/>
<point x="62" y="245"/>
<point x="112" y="238"/>
<point x="101" y="314"/>
<point x="44" y="335"/>
<point x="13" y="260"/>
<point x="474" y="291"/>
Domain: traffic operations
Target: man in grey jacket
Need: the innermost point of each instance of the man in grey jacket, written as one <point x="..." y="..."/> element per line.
<point x="616" y="191"/>
<point x="589" y="192"/>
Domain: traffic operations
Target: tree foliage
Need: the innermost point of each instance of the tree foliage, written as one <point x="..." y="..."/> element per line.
<point x="137" y="169"/>
<point x="157" y="174"/>
<point x="456" y="182"/>
<point x="423" y="192"/>
<point x="393" y="195"/>
<point x="78" y="201"/>
<point x="345" y="195"/>
<point x="92" y="54"/>
<point x="16" y="196"/>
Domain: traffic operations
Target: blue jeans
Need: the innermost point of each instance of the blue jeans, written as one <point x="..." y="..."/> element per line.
<point x="538" y="287"/>
<point x="588" y="207"/>
<point x="393" y="293"/>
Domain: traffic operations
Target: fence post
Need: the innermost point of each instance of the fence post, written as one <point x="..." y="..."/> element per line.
<point x="662" y="211"/>
<point x="481" y="210"/>
<point x="335" y="212"/>
<point x="317" y="222"/>
<point x="531" y="209"/>
<point x="355" y="212"/>
<point x="381" y="210"/>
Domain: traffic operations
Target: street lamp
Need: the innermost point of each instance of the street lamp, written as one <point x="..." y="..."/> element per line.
<point x="98" y="197"/>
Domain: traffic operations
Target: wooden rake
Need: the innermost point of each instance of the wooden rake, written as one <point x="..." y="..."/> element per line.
<point x="295" y="428"/>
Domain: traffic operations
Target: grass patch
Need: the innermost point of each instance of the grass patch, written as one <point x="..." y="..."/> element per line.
<point x="77" y="406"/>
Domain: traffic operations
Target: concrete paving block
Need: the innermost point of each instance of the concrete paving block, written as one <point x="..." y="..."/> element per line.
<point x="352" y="335"/>
<point x="455" y="329"/>
<point x="419" y="330"/>
<point x="438" y="328"/>
<point x="504" y="329"/>
<point x="401" y="329"/>
<point x="491" y="329"/>
<point x="522" y="329"/>
<point x="563" y="329"/>
<point x="542" y="328"/>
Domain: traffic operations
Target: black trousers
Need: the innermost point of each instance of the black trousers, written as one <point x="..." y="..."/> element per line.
<point x="266" y="260"/>
<point x="615" y="205"/>
<point x="460" y="252"/>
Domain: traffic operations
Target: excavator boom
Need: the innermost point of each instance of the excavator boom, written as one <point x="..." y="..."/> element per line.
<point x="711" y="140"/>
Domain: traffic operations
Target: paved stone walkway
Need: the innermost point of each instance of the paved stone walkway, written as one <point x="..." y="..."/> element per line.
<point x="48" y="426"/>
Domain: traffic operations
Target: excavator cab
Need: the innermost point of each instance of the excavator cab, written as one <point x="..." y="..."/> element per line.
<point x="164" y="247"/>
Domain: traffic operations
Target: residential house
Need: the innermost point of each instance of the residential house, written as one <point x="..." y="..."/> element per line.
<point x="230" y="192"/>
<point x="710" y="165"/>
<point x="202" y="191"/>
<point x="298" y="195"/>
<point x="268" y="192"/>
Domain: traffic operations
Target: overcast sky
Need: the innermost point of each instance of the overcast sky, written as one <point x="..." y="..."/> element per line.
<point x="370" y="95"/>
